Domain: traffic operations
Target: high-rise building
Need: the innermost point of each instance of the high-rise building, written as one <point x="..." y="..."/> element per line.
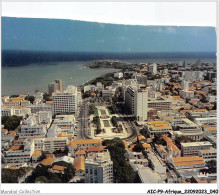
<point x="184" y="64"/>
<point x="99" y="168"/>
<point x="57" y="85"/>
<point x="141" y="104"/>
<point x="136" y="99"/>
<point x="199" y="62"/>
<point x="65" y="102"/>
<point x="153" y="68"/>
<point x="185" y="85"/>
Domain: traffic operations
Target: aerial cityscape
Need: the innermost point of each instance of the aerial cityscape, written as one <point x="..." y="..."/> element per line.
<point x="108" y="118"/>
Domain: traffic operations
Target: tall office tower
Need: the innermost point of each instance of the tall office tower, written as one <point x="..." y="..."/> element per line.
<point x="136" y="99"/>
<point x="130" y="98"/>
<point x="57" y="85"/>
<point x="185" y="85"/>
<point x="198" y="62"/>
<point x="153" y="68"/>
<point x="184" y="64"/>
<point x="141" y="103"/>
<point x="99" y="168"/>
<point x="65" y="102"/>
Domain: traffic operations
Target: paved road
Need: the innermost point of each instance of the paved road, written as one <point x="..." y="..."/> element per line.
<point x="83" y="123"/>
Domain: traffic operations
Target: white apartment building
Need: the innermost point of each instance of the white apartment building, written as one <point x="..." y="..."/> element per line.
<point x="64" y="120"/>
<point x="185" y="85"/>
<point x="50" y="144"/>
<point x="41" y="107"/>
<point x="193" y="148"/>
<point x="136" y="99"/>
<point x="19" y="153"/>
<point x="62" y="124"/>
<point x="186" y="94"/>
<point x="44" y="117"/>
<point x="153" y="68"/>
<point x="201" y="121"/>
<point x="208" y="155"/>
<point x="32" y="128"/>
<point x="65" y="102"/>
<point x="99" y="168"/>
<point x="155" y="127"/>
<point x="108" y="93"/>
<point x="15" y="110"/>
<point x="186" y="127"/>
<point x="160" y="104"/>
<point x="118" y="75"/>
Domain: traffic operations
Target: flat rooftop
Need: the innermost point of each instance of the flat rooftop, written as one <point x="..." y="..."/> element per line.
<point x="206" y="143"/>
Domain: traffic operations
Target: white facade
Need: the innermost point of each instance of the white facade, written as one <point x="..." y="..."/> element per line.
<point x="65" y="102"/>
<point x="16" y="110"/>
<point x="19" y="154"/>
<point x="153" y="68"/>
<point x="50" y="144"/>
<point x="118" y="75"/>
<point x="186" y="94"/>
<point x="41" y="107"/>
<point x="185" y="85"/>
<point x="99" y="168"/>
<point x="141" y="104"/>
<point x="193" y="148"/>
<point x="32" y="128"/>
<point x="160" y="104"/>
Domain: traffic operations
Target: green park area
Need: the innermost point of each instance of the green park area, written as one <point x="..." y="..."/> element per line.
<point x="106" y="123"/>
<point x="103" y="111"/>
<point x="95" y="112"/>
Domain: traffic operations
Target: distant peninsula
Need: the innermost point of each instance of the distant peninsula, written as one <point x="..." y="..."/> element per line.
<point x="116" y="64"/>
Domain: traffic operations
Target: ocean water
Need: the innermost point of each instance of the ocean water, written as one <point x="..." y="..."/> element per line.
<point x="24" y="79"/>
<point x="36" y="76"/>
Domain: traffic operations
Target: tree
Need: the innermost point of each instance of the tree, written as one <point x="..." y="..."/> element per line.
<point x="212" y="166"/>
<point x="43" y="156"/>
<point x="138" y="148"/>
<point x="158" y="139"/>
<point x="11" y="122"/>
<point x="12" y="176"/>
<point x="41" y="179"/>
<point x="122" y="171"/>
<point x="47" y="97"/>
<point x="66" y="150"/>
<point x="92" y="109"/>
<point x="30" y="98"/>
<point x="114" y="121"/>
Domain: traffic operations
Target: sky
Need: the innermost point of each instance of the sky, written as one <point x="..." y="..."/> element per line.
<point x="70" y="35"/>
<point x="135" y="13"/>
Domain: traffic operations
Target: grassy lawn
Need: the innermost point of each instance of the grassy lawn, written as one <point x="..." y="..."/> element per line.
<point x="95" y="112"/>
<point x="102" y="111"/>
<point x="106" y="123"/>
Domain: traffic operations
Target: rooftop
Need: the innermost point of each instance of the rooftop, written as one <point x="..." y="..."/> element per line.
<point x="58" y="168"/>
<point x="87" y="141"/>
<point x="37" y="153"/>
<point x="80" y="152"/>
<point x="188" y="144"/>
<point x="95" y="149"/>
<point x="79" y="163"/>
<point x="47" y="161"/>
<point x="190" y="160"/>
<point x="17" y="147"/>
